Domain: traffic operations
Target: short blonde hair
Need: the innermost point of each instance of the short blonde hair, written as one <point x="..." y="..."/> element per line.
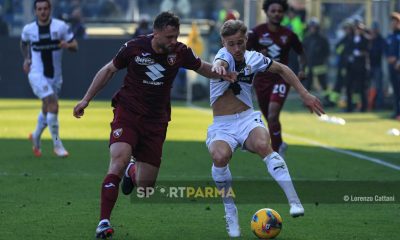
<point x="231" y="27"/>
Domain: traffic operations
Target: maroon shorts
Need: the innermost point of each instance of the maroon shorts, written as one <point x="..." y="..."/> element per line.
<point x="271" y="91"/>
<point x="146" y="138"/>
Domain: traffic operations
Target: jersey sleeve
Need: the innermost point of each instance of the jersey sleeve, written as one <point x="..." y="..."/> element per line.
<point x="297" y="46"/>
<point x="224" y="55"/>
<point x="260" y="63"/>
<point x="121" y="60"/>
<point x="25" y="34"/>
<point x="67" y="34"/>
<point x="190" y="60"/>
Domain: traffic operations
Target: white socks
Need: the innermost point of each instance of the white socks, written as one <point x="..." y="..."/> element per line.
<point x="41" y="125"/>
<point x="52" y="121"/>
<point x="223" y="180"/>
<point x="277" y="168"/>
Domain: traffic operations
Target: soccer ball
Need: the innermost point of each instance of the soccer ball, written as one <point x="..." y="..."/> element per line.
<point x="266" y="223"/>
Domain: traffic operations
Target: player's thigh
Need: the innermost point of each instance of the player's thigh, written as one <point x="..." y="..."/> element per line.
<point x="150" y="143"/>
<point x="146" y="174"/>
<point x="56" y="84"/>
<point x="280" y="91"/>
<point x="120" y="153"/>
<point x="124" y="127"/>
<point x="258" y="141"/>
<point x="221" y="142"/>
<point x="40" y="86"/>
<point x="263" y="94"/>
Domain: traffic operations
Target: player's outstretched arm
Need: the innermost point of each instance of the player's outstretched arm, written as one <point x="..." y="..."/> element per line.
<point x="99" y="81"/>
<point x="217" y="70"/>
<point x="25" y="50"/>
<point x="71" y="46"/>
<point x="311" y="102"/>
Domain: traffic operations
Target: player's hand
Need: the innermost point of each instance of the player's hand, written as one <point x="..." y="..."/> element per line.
<point x="230" y="77"/>
<point x="301" y="75"/>
<point x="27" y="65"/>
<point x="79" y="109"/>
<point x="227" y="76"/>
<point x="63" y="44"/>
<point x="313" y="104"/>
<point x="219" y="70"/>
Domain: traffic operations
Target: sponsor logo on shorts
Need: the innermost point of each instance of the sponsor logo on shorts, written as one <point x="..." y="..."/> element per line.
<point x="117" y="133"/>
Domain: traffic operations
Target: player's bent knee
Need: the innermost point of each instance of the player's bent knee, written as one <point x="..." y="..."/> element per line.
<point x="220" y="157"/>
<point x="116" y="168"/>
<point x="118" y="164"/>
<point x="273" y="118"/>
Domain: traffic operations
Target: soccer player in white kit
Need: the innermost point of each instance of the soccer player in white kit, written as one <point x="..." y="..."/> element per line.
<point x="237" y="124"/>
<point x="42" y="42"/>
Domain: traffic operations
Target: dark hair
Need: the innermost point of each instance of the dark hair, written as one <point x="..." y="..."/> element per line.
<point x="166" y="19"/>
<point x="268" y="3"/>
<point x="37" y="1"/>
<point x="231" y="27"/>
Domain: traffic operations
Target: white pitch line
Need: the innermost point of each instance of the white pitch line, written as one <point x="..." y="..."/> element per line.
<point x="330" y="148"/>
<point x="347" y="152"/>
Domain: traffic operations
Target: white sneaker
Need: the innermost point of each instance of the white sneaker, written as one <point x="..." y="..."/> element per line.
<point x="232" y="223"/>
<point x="296" y="210"/>
<point x="282" y="149"/>
<point x="60" y="151"/>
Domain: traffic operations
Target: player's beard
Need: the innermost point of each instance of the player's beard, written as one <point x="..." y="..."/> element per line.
<point x="167" y="49"/>
<point x="44" y="18"/>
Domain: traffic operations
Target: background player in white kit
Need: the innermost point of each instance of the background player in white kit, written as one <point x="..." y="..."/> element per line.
<point x="42" y="42"/>
<point x="237" y="124"/>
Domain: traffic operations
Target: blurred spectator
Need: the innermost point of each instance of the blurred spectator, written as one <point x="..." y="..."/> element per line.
<point x="108" y="8"/>
<point x="3" y="25"/>
<point x="375" y="92"/>
<point x="227" y="11"/>
<point x="342" y="52"/>
<point x="293" y="21"/>
<point x="232" y="14"/>
<point x="393" y="58"/>
<point x="181" y="7"/>
<point x="144" y="27"/>
<point x="317" y="51"/>
<point x="167" y="5"/>
<point x="357" y="66"/>
<point x="77" y="25"/>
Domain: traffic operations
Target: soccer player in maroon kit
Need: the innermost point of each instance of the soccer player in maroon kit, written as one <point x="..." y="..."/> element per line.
<point x="142" y="107"/>
<point x="275" y="42"/>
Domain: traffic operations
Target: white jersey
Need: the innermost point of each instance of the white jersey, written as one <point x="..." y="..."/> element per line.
<point x="254" y="62"/>
<point x="45" y="51"/>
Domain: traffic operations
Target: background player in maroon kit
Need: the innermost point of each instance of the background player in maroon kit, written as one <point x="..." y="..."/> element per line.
<point x="142" y="106"/>
<point x="275" y="42"/>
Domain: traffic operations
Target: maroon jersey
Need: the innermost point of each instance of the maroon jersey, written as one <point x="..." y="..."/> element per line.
<point x="147" y="85"/>
<point x="275" y="45"/>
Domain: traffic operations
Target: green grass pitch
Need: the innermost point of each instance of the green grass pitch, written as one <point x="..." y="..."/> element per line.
<point x="52" y="198"/>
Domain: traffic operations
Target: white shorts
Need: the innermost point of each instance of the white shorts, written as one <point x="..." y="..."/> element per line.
<point x="234" y="129"/>
<point x="42" y="86"/>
